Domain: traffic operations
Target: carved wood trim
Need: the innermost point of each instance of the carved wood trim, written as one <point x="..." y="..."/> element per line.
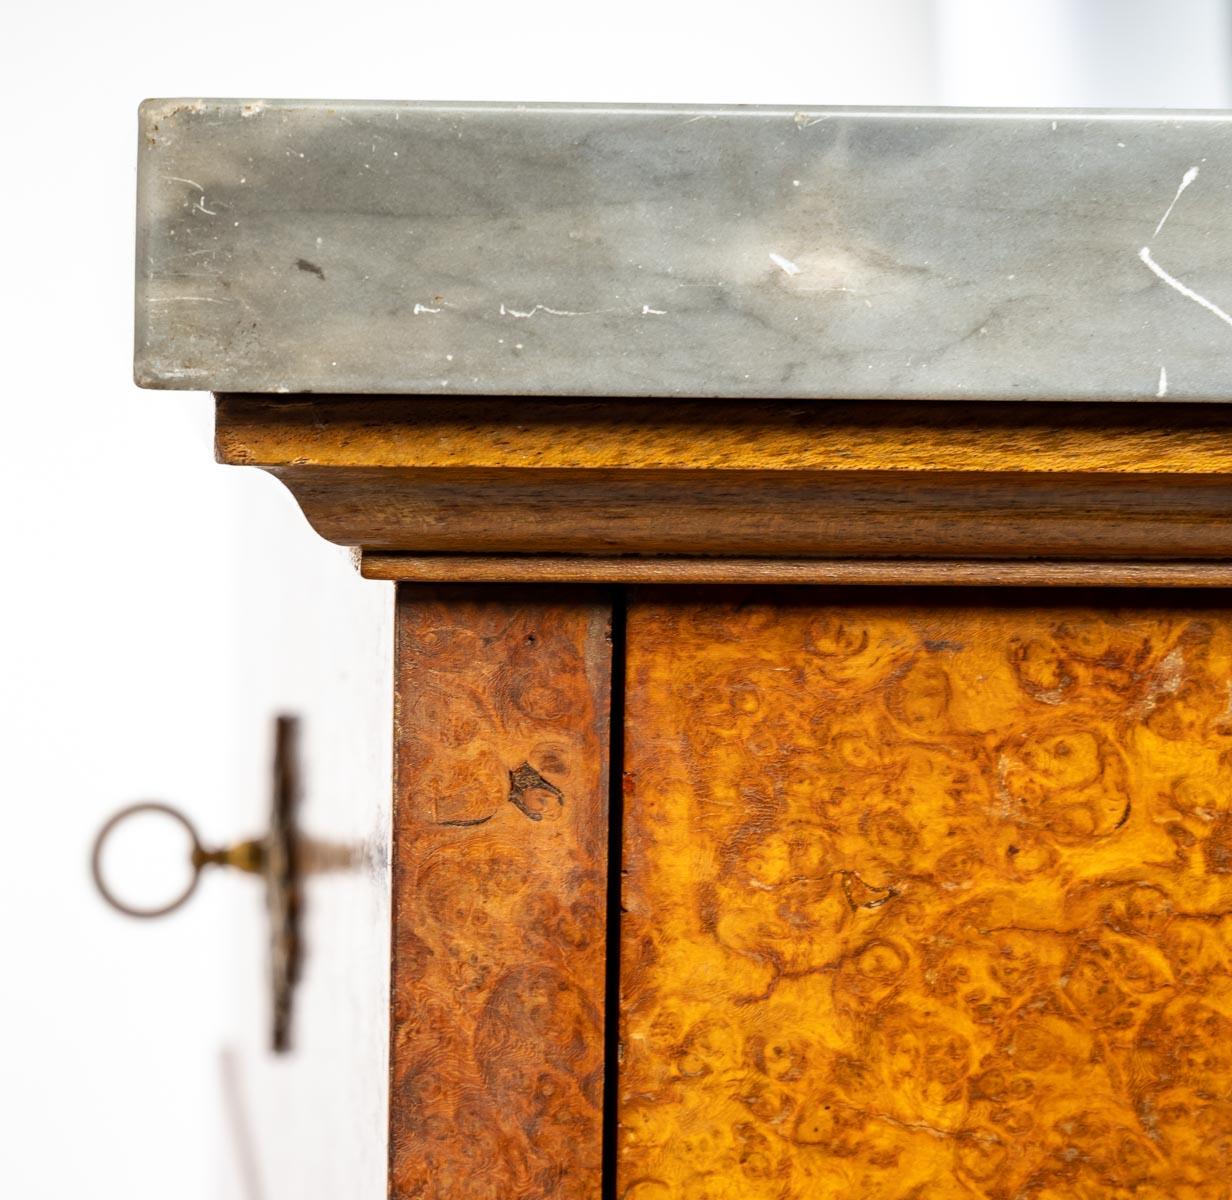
<point x="499" y="480"/>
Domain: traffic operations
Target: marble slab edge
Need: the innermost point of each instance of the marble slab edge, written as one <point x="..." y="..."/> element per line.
<point x="589" y="250"/>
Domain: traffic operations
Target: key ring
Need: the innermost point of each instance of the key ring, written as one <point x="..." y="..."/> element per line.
<point x="196" y="859"/>
<point x="245" y="856"/>
<point x="276" y="857"/>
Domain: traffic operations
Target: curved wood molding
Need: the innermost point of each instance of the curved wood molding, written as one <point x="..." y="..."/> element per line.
<point x="1065" y="482"/>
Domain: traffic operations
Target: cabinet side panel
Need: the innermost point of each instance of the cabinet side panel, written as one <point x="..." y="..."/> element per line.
<point x="499" y="886"/>
<point x="313" y="640"/>
<point x="926" y="897"/>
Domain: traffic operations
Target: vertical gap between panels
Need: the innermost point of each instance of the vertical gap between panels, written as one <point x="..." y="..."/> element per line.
<point x="615" y="875"/>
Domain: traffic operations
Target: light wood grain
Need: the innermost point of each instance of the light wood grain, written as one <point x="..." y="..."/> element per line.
<point x="712" y="435"/>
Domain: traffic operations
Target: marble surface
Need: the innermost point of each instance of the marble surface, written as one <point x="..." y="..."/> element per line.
<point x="651" y="251"/>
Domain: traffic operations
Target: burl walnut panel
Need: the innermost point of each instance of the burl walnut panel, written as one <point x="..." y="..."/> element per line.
<point x="927" y="900"/>
<point x="499" y="880"/>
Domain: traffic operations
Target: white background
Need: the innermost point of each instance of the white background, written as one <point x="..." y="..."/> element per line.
<point x="137" y="571"/>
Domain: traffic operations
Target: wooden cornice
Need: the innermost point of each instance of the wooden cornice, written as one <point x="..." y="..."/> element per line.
<point x="719" y="491"/>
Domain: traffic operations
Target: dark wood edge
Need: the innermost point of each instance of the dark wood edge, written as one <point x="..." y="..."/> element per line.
<point x="479" y="568"/>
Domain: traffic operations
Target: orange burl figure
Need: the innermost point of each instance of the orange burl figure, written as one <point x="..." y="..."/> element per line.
<point x="928" y="899"/>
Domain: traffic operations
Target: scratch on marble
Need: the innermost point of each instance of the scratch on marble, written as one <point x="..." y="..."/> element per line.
<point x="1162" y="390"/>
<point x="1178" y="286"/>
<point x="530" y="312"/>
<point x="419" y="309"/>
<point x="1186" y="180"/>
<point x="190" y="182"/>
<point x="175" y="299"/>
<point x="784" y="264"/>
<point x="647" y="311"/>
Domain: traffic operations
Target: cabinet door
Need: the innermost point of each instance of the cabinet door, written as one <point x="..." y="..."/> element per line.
<point x="927" y="897"/>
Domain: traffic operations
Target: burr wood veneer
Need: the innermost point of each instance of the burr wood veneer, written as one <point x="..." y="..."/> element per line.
<point x="926" y="896"/>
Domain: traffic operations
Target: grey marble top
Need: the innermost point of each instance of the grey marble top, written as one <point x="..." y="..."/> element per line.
<point x="656" y="251"/>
